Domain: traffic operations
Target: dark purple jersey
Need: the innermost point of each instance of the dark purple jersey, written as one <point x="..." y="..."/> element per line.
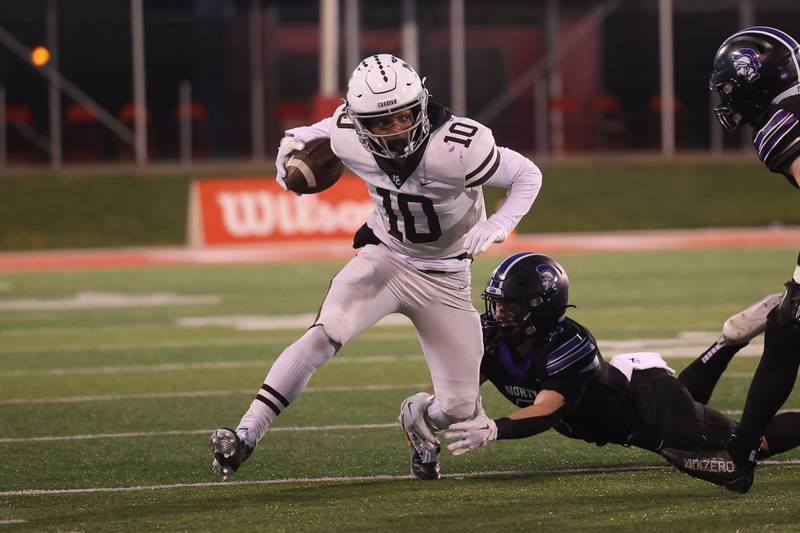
<point x="600" y="402"/>
<point x="776" y="136"/>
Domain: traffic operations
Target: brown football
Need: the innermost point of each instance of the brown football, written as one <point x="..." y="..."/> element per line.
<point x="314" y="168"/>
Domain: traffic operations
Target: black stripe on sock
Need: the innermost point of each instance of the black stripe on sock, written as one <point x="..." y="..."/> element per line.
<point x="277" y="395"/>
<point x="269" y="404"/>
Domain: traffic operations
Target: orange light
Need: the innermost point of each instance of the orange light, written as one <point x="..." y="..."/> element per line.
<point x="40" y="56"/>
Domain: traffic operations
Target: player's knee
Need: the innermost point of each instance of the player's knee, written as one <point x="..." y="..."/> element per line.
<point x="315" y="347"/>
<point x="781" y="340"/>
<point x="336" y="328"/>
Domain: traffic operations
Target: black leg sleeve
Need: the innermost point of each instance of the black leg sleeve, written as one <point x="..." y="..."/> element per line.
<point x="701" y="376"/>
<point x="771" y="386"/>
<point x="783" y="433"/>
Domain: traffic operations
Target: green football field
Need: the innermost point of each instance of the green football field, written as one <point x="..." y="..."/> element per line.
<point x="112" y="380"/>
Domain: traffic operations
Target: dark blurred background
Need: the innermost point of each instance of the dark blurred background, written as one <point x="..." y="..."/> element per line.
<point x="609" y="74"/>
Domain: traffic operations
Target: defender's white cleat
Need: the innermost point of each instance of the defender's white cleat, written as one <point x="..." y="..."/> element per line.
<point x="229" y="452"/>
<point x="745" y="325"/>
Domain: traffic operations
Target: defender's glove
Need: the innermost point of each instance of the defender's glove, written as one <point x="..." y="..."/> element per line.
<point x="288" y="145"/>
<point x="481" y="236"/>
<point x="414" y="421"/>
<point x="789" y="307"/>
<point x="467" y="436"/>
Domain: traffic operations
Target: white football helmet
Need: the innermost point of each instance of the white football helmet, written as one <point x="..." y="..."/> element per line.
<point x="383" y="85"/>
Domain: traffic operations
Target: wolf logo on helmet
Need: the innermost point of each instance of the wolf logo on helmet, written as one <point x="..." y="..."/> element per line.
<point x="753" y="68"/>
<point x="746" y="63"/>
<point x="549" y="277"/>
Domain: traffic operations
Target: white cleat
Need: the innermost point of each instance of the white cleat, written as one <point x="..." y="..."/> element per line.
<point x="425" y="465"/>
<point x="424" y="452"/>
<point x="229" y="452"/>
<point x="747" y="324"/>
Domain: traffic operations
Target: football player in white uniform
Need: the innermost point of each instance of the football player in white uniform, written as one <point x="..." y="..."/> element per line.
<point x="424" y="169"/>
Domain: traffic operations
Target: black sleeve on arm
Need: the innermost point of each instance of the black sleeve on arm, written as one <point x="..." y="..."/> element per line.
<point x="526" y="427"/>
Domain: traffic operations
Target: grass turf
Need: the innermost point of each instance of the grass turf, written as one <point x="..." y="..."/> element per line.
<point x="92" y="375"/>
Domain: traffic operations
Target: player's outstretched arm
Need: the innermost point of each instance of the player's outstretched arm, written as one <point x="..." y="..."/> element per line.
<point x="527" y="422"/>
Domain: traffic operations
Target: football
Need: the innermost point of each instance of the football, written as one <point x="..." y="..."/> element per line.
<point x="314" y="168"/>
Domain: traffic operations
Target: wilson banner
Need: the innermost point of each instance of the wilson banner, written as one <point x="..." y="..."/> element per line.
<point x="256" y="210"/>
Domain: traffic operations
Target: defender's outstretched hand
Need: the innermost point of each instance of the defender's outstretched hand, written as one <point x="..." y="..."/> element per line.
<point x="467" y="436"/>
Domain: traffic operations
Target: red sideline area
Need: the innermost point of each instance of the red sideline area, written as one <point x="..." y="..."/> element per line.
<point x="552" y="243"/>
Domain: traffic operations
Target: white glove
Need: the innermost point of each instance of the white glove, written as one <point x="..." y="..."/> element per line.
<point x="467" y="436"/>
<point x="481" y="236"/>
<point x="288" y="146"/>
<point x="413" y="421"/>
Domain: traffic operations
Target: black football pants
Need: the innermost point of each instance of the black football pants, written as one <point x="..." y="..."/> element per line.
<point x="671" y="418"/>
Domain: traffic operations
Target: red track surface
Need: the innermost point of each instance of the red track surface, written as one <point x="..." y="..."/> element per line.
<point x="327" y="250"/>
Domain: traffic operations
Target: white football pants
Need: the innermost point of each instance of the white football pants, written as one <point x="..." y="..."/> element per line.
<point x="378" y="282"/>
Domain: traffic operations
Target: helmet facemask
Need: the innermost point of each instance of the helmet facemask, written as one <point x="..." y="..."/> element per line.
<point x="397" y="145"/>
<point x="518" y="320"/>
<point x="726" y="112"/>
<point x="512" y="318"/>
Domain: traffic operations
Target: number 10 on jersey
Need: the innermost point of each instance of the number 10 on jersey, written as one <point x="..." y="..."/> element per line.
<point x="400" y="205"/>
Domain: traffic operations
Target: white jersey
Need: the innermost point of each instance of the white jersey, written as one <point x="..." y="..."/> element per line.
<point x="425" y="216"/>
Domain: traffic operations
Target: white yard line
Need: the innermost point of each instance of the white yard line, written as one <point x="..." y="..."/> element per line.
<point x="350" y="479"/>
<point x="88" y="330"/>
<point x="102" y="300"/>
<point x="212" y="365"/>
<point x="112" y="397"/>
<point x="213" y="393"/>
<point x="12" y="521"/>
<point x="197" y="394"/>
<point x="147" y="434"/>
<point x="274" y="322"/>
<point x="105" y="347"/>
<point x="686" y="344"/>
<point x="683" y="346"/>
<point x="217" y="365"/>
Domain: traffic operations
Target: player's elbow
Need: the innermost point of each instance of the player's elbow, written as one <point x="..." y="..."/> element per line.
<point x="795" y="170"/>
<point x="526" y="175"/>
